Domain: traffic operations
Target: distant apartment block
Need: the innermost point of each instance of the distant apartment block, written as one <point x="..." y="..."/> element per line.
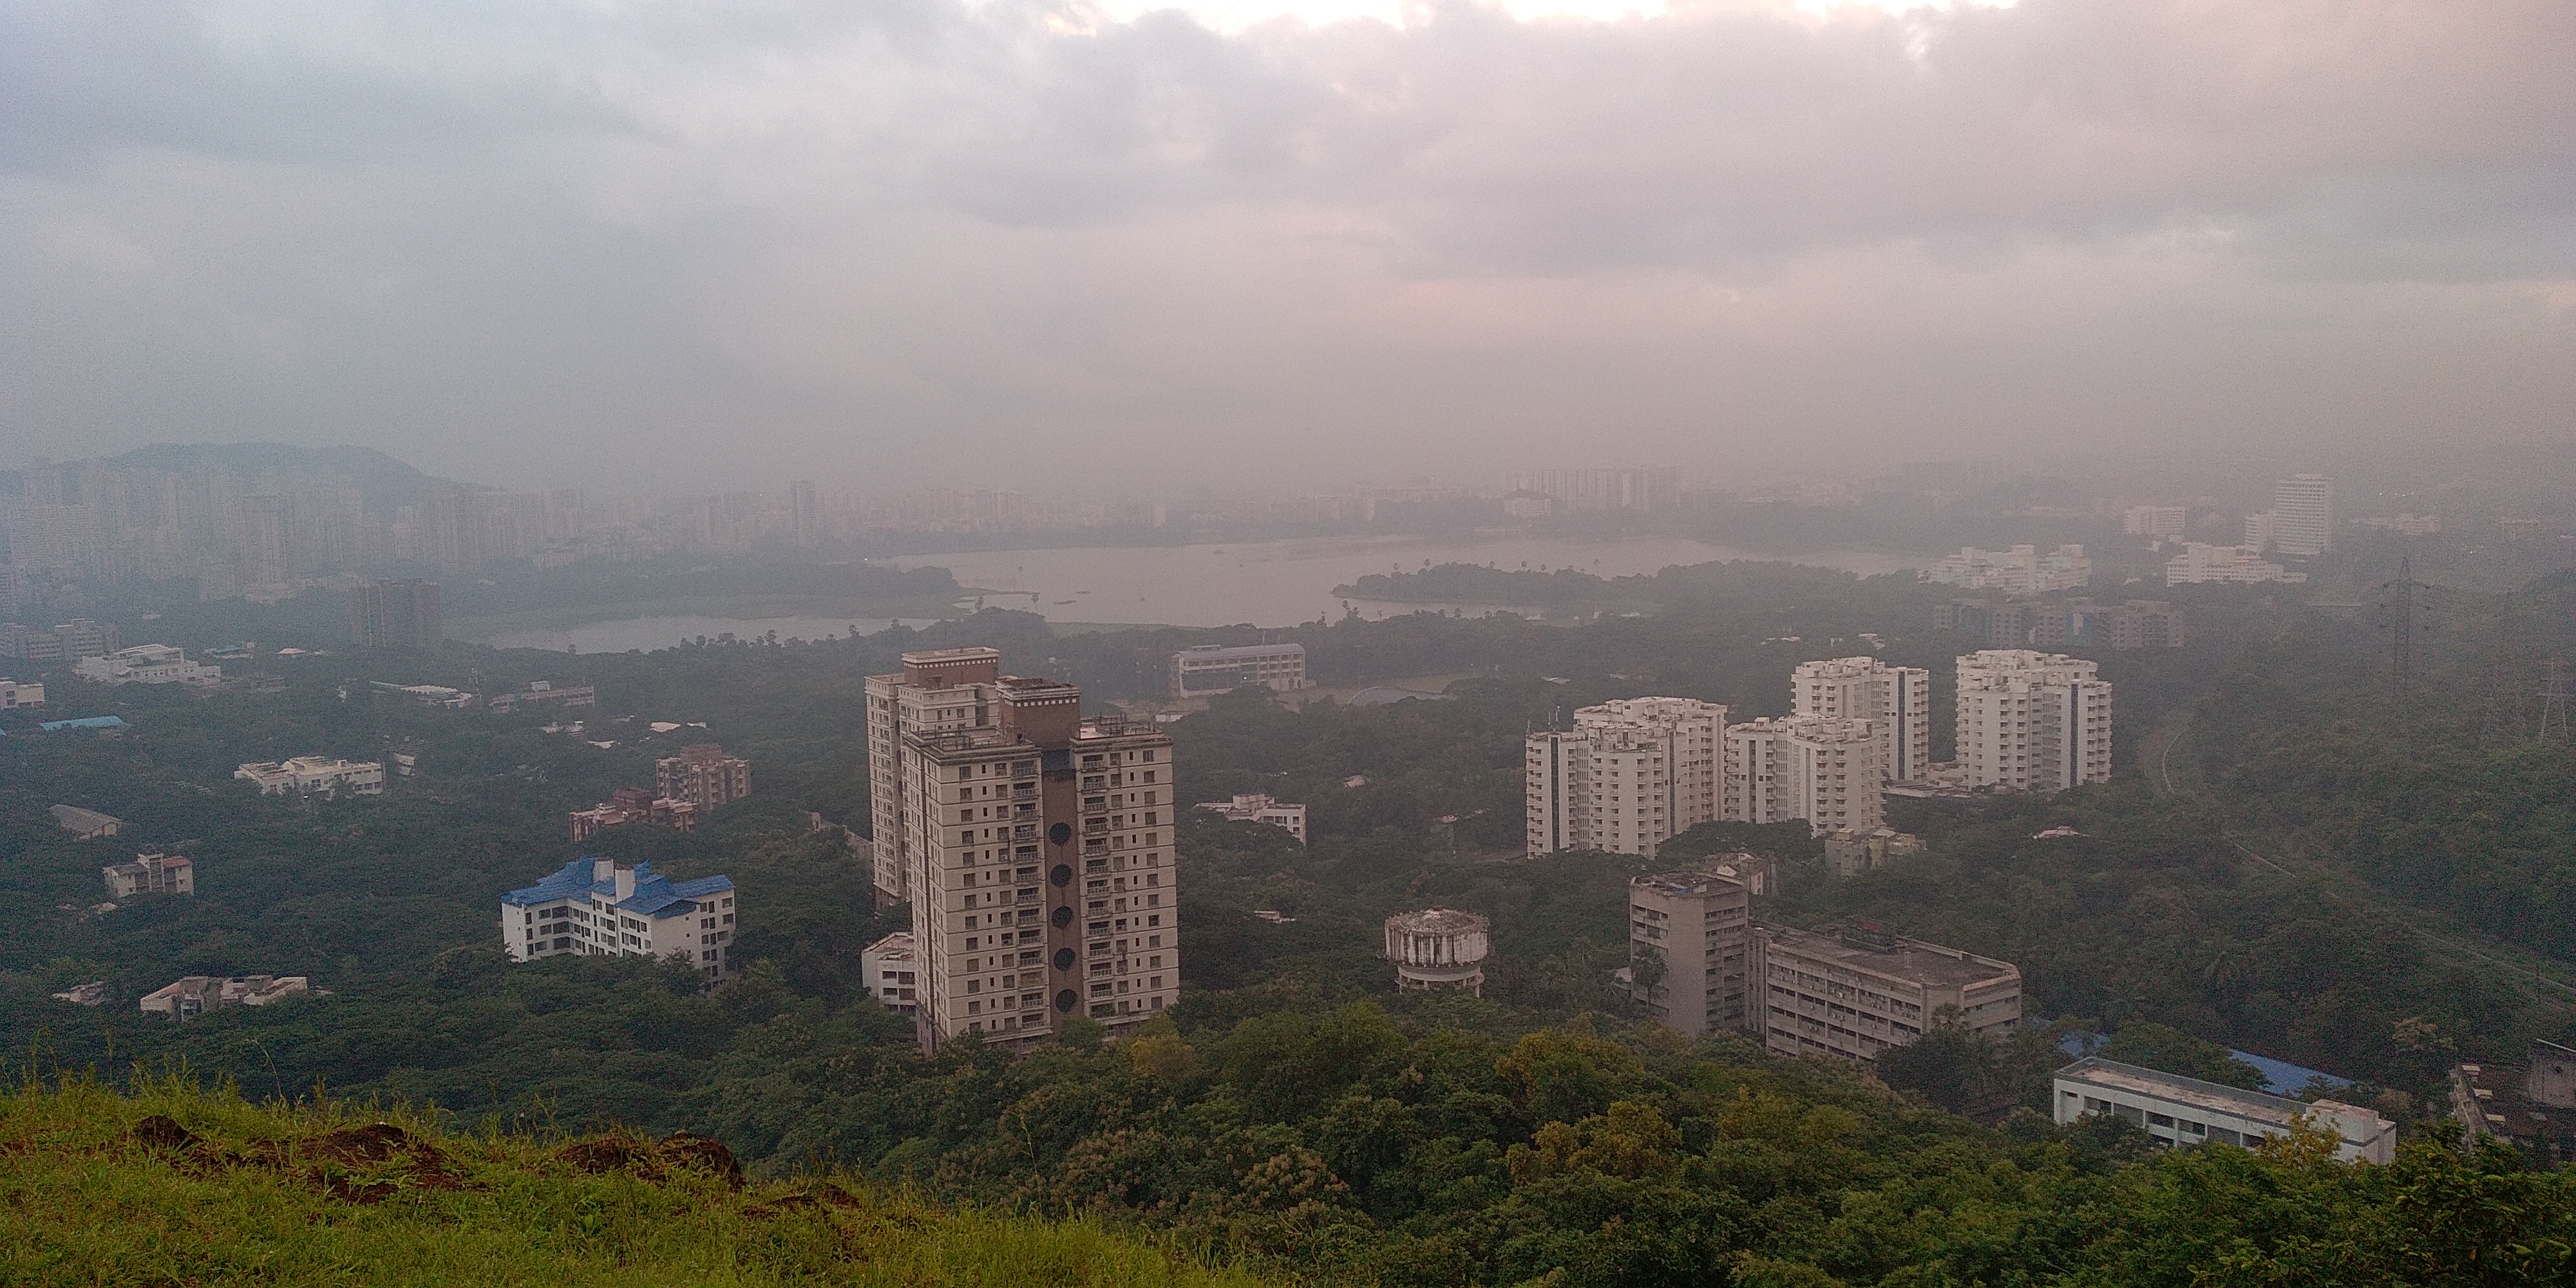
<point x="1220" y="668"/>
<point x="14" y="694"/>
<point x="70" y="641"/>
<point x="2405" y="525"/>
<point x="633" y="805"/>
<point x="702" y="775"/>
<point x="1651" y="488"/>
<point x="2022" y="570"/>
<point x="2155" y="522"/>
<point x="2303" y="515"/>
<point x="1857" y="991"/>
<point x="2199" y="563"/>
<point x="1688" y="968"/>
<point x="1629" y="776"/>
<point x="595" y="907"/>
<point x="85" y="824"/>
<point x="2179" y="1111"/>
<point x="1437" y="948"/>
<point x="1259" y="808"/>
<point x="1849" y="853"/>
<point x="150" y="874"/>
<point x="2030" y="721"/>
<point x="546" y="692"/>
<point x="148" y="664"/>
<point x="1896" y="699"/>
<point x="195" y="995"/>
<point x="2066" y="623"/>
<point x="315" y="776"/>
<point x="1823" y="770"/>
<point x="890" y="971"/>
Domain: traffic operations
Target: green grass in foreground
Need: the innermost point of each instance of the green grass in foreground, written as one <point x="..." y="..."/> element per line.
<point x="175" y="1186"/>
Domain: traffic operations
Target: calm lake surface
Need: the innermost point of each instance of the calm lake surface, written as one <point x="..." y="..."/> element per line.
<point x="1282" y="583"/>
<point x="1264" y="583"/>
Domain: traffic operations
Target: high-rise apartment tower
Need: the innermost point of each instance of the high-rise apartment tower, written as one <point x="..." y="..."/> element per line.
<point x="1817" y="768"/>
<point x="1629" y="776"/>
<point x="2032" y="721"/>
<point x="1897" y="699"/>
<point x="2303" y="515"/>
<point x="1035" y="847"/>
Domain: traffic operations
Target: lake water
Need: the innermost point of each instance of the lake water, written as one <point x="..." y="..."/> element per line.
<point x="1282" y="583"/>
<point x="650" y="633"/>
<point x="1264" y="583"/>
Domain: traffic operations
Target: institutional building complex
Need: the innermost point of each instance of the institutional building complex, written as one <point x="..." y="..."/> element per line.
<point x="602" y="908"/>
<point x="2179" y="1111"/>
<point x="2032" y="721"/>
<point x="147" y="664"/>
<point x="1223" y="668"/>
<point x="315" y="776"/>
<point x="1258" y="807"/>
<point x="1035" y="847"/>
<point x="1856" y="991"/>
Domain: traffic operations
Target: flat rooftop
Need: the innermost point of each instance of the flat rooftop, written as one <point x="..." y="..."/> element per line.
<point x="2214" y="1097"/>
<point x="1905" y="959"/>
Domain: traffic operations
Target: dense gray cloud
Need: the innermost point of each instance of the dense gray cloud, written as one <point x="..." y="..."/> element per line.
<point x="910" y="241"/>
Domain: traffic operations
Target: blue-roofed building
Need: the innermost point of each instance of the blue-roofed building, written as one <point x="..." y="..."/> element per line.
<point x="600" y="908"/>
<point x="85" y="722"/>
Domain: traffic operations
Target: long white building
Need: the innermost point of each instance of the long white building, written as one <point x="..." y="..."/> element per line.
<point x="1629" y="776"/>
<point x="2031" y="721"/>
<point x="147" y="664"/>
<point x="1820" y="769"/>
<point x="602" y="908"/>
<point x="2022" y="570"/>
<point x="1897" y="699"/>
<point x="315" y="775"/>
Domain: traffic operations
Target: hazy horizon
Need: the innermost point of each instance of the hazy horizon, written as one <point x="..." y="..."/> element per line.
<point x="926" y="243"/>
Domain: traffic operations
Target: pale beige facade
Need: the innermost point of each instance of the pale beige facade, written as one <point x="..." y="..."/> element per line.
<point x="1897" y="699"/>
<point x="1687" y="950"/>
<point x="2030" y="721"/>
<point x="1629" y="776"/>
<point x="1816" y="768"/>
<point x="1856" y="992"/>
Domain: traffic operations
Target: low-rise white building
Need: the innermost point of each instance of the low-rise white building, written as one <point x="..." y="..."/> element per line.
<point x="313" y="775"/>
<point x="2180" y="1111"/>
<point x="1259" y="808"/>
<point x="150" y="874"/>
<point x="195" y="995"/>
<point x="601" y="908"/>
<point x="889" y="970"/>
<point x="2022" y="570"/>
<point x="14" y="695"/>
<point x="148" y="664"/>
<point x="2200" y="562"/>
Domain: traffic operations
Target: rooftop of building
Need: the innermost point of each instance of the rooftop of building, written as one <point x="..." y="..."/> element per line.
<point x="1202" y="652"/>
<point x="84" y="722"/>
<point x="654" y="895"/>
<point x="1688" y="884"/>
<point x="2215" y="1097"/>
<point x="77" y="819"/>
<point x="1898" y="958"/>
<point x="1438" y="921"/>
<point x="899" y="944"/>
<point x="936" y="656"/>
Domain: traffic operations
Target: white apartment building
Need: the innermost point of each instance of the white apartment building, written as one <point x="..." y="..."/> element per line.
<point x="1898" y="699"/>
<point x="188" y="998"/>
<point x="1036" y="847"/>
<point x="1820" y="769"/>
<point x="601" y="908"/>
<point x="2022" y="570"/>
<point x="2182" y="1112"/>
<point x="2303" y="515"/>
<point x="2031" y="721"/>
<point x="1629" y="776"/>
<point x="14" y="695"/>
<point x="315" y="774"/>
<point x="1258" y="807"/>
<point x="1857" y="991"/>
<point x="2156" y="522"/>
<point x="2237" y="564"/>
<point x="890" y="971"/>
<point x="1687" y="965"/>
<point x="1222" y="668"/>
<point x="147" y="664"/>
<point x="153" y="873"/>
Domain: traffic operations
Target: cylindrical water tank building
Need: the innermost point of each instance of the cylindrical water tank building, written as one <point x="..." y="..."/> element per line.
<point x="1439" y="948"/>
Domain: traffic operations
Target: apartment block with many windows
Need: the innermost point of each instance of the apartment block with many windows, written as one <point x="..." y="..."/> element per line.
<point x="2030" y="721"/>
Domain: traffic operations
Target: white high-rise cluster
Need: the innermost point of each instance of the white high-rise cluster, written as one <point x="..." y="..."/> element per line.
<point x="2032" y="721"/>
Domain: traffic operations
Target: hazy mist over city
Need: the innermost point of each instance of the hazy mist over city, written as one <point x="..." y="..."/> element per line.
<point x="923" y="243"/>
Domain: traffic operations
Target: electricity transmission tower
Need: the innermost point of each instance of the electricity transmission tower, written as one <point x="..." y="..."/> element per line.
<point x="2397" y="606"/>
<point x="2553" y="700"/>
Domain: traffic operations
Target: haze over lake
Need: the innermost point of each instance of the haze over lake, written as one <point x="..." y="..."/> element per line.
<point x="1282" y="583"/>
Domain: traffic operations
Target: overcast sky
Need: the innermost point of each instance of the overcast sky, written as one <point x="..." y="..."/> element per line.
<point x="883" y="243"/>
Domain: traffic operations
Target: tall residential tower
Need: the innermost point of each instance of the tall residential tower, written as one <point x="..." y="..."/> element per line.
<point x="2033" y="721"/>
<point x="1897" y="699"/>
